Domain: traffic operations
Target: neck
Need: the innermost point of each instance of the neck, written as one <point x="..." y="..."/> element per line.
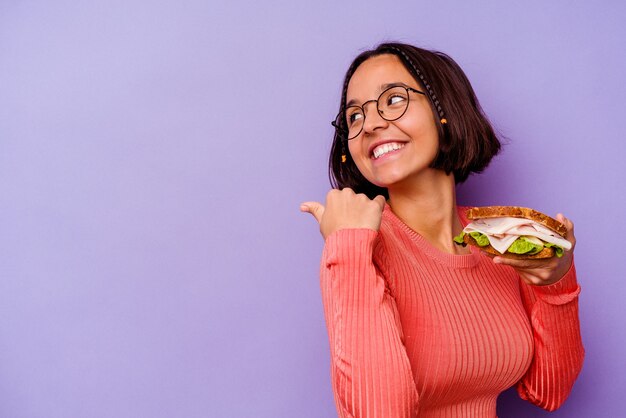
<point x="429" y="208"/>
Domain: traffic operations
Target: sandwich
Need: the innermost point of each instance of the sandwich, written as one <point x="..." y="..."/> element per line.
<point x="514" y="232"/>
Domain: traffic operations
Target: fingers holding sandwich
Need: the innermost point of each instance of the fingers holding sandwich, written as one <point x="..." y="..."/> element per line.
<point x="570" y="228"/>
<point x="543" y="272"/>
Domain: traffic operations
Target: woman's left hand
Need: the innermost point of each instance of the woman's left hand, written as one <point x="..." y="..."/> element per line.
<point x="543" y="272"/>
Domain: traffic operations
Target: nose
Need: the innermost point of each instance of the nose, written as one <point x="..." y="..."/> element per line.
<point x="372" y="120"/>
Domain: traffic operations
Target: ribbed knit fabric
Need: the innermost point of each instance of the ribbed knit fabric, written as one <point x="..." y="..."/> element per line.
<point x="415" y="332"/>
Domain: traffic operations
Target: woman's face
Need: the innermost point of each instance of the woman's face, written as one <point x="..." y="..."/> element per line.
<point x="390" y="153"/>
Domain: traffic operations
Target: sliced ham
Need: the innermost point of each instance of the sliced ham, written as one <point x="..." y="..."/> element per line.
<point x="502" y="232"/>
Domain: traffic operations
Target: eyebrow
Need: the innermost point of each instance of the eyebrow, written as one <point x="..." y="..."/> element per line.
<point x="381" y="89"/>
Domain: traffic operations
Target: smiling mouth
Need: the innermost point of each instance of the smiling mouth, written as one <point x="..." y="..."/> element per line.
<point x="383" y="149"/>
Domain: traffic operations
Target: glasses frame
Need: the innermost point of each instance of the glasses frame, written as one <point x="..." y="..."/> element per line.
<point x="340" y="119"/>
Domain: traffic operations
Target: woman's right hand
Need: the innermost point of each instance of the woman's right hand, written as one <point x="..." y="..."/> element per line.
<point x="346" y="210"/>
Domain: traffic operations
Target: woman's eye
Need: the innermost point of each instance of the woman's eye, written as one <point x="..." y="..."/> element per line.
<point x="395" y="99"/>
<point x="354" y="117"/>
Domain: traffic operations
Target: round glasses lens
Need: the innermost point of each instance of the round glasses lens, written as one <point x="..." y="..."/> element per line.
<point x="354" y="120"/>
<point x="393" y="102"/>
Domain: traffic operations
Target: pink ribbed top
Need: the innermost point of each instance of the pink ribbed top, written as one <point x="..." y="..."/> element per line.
<point x="415" y="332"/>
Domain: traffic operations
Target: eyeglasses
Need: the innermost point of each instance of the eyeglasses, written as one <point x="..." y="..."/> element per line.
<point x="391" y="105"/>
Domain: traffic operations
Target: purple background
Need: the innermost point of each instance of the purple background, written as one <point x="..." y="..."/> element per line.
<point x="153" y="155"/>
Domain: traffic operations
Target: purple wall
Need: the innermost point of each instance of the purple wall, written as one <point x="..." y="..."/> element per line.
<point x="153" y="155"/>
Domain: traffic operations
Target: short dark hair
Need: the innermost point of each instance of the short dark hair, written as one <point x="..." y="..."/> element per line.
<point x="467" y="141"/>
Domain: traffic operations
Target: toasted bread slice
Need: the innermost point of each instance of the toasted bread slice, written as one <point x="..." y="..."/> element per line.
<point x="517" y="212"/>
<point x="547" y="252"/>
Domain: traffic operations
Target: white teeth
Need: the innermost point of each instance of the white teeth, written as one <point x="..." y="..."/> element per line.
<point x="385" y="148"/>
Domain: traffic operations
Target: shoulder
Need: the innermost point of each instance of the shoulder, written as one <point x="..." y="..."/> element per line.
<point x="390" y="225"/>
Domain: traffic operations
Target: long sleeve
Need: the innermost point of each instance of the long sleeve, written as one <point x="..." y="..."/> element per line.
<point x="370" y="371"/>
<point x="558" y="354"/>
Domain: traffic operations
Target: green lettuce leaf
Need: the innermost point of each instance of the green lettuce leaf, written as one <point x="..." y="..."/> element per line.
<point x="524" y="246"/>
<point x="459" y="239"/>
<point x="481" y="239"/>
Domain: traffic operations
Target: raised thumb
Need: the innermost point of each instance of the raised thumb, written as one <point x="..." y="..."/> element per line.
<point x="314" y="208"/>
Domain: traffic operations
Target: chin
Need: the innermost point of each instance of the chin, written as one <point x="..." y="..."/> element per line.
<point x="388" y="179"/>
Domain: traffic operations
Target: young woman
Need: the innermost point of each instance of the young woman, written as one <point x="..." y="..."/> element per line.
<point x="418" y="326"/>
